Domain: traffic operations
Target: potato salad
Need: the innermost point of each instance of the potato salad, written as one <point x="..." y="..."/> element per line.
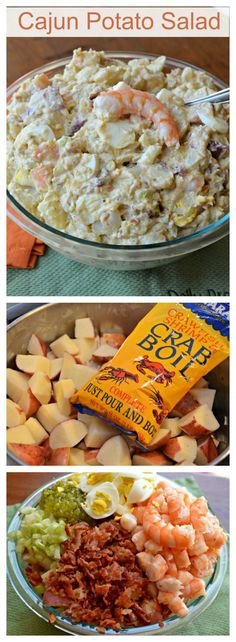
<point x="108" y="151"/>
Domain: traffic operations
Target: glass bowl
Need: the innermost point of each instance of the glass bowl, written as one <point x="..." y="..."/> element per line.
<point x="113" y="257"/>
<point x="34" y="602"/>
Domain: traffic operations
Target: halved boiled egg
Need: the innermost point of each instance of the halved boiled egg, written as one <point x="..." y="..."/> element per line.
<point x="90" y="480"/>
<point x="140" y="491"/>
<point x="101" y="501"/>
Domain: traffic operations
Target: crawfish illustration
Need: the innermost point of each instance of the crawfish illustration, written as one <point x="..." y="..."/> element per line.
<point x="161" y="374"/>
<point x="159" y="412"/>
<point x="119" y="375"/>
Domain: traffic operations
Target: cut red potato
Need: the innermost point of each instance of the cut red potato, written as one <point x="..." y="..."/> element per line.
<point x="90" y="457"/>
<point x="151" y="459"/>
<point x="114" y="452"/>
<point x="58" y="457"/>
<point x="15" y="415"/>
<point x="50" y="355"/>
<point x="63" y="390"/>
<point x="201" y="383"/>
<point x="98" y="432"/>
<point x="199" y="423"/>
<point x="67" y="362"/>
<point x="85" y="348"/>
<point x="36" y="346"/>
<point x="55" y="367"/>
<point x="76" y="457"/>
<point x="84" y="329"/>
<point x="29" y="403"/>
<point x="30" y="363"/>
<point x="171" y="424"/>
<point x="160" y="438"/>
<point x="63" y="344"/>
<point x="67" y="434"/>
<point x="104" y="353"/>
<point x="204" y="396"/>
<point x="206" y="451"/>
<point x="19" y="435"/>
<point x="31" y="455"/>
<point x="37" y="431"/>
<point x="181" y="448"/>
<point x="40" y="386"/>
<point x="80" y="375"/>
<point x="113" y="339"/>
<point x="49" y="416"/>
<point x="185" y="405"/>
<point x="17" y="384"/>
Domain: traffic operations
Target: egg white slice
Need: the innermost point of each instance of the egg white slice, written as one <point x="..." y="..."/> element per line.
<point x="102" y="501"/>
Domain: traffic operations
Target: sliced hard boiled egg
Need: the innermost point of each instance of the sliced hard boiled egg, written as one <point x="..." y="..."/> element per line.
<point x="140" y="491"/>
<point x="101" y="501"/>
<point x="90" y="480"/>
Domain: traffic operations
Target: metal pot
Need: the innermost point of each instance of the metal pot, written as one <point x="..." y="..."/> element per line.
<point x="51" y="320"/>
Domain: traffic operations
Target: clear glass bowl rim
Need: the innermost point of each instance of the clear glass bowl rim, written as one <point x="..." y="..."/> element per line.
<point x="199" y="234"/>
<point x="33" y="601"/>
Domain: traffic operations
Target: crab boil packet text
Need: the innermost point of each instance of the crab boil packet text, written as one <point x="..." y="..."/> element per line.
<point x="170" y="349"/>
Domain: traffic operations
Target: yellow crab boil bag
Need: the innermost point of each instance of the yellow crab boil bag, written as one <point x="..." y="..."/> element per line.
<point x="170" y="349"/>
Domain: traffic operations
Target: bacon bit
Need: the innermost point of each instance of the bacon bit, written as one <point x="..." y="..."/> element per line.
<point x="99" y="581"/>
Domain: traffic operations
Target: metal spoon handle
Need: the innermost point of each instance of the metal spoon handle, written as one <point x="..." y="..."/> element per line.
<point x="221" y="96"/>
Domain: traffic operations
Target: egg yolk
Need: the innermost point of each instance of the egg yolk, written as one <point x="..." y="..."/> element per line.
<point x="101" y="503"/>
<point x="96" y="478"/>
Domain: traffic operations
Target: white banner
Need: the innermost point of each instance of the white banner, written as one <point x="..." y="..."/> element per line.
<point x="118" y="21"/>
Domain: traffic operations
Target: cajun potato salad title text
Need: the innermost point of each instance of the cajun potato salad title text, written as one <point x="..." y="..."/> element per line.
<point x="129" y="21"/>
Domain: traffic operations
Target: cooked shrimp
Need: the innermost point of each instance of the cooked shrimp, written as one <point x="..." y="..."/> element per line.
<point x="198" y="510"/>
<point x="166" y="534"/>
<point x="192" y="587"/>
<point x="169" y="584"/>
<point x="40" y="176"/>
<point x="155" y="567"/>
<point x="174" y="602"/>
<point x="181" y="559"/>
<point x="123" y="100"/>
<point x="179" y="512"/>
<point x="47" y="151"/>
<point x="199" y="545"/>
<point x="138" y="512"/>
<point x="139" y="538"/>
<point x="201" y="565"/>
<point x="151" y="547"/>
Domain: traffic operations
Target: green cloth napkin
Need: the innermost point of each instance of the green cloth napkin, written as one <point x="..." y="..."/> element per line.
<point x="215" y="620"/>
<point x="201" y="273"/>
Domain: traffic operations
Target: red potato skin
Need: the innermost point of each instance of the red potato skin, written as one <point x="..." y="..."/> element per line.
<point x="113" y="339"/>
<point x="207" y="451"/>
<point x="58" y="457"/>
<point x="31" y="455"/>
<point x="193" y="429"/>
<point x="185" y="405"/>
<point x="33" y="404"/>
<point x="101" y="359"/>
<point x="172" y="447"/>
<point x="42" y="346"/>
<point x="90" y="455"/>
<point x="161" y="442"/>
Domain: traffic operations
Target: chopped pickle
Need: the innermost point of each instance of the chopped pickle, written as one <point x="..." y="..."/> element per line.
<point x="63" y="500"/>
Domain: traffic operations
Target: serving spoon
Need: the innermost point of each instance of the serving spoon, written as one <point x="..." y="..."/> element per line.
<point x="221" y="96"/>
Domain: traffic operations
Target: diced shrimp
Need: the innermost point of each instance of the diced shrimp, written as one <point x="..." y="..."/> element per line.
<point x="172" y="568"/>
<point x="151" y="547"/>
<point x="199" y="545"/>
<point x="40" y="176"/>
<point x="174" y="602"/>
<point x="195" y="589"/>
<point x="169" y="584"/>
<point x="198" y="509"/>
<point x="139" y="538"/>
<point x="155" y="567"/>
<point x="47" y="151"/>
<point x="179" y="512"/>
<point x="166" y="534"/>
<point x="41" y="81"/>
<point x="138" y="512"/>
<point x="181" y="559"/>
<point x="123" y="100"/>
<point x="201" y="566"/>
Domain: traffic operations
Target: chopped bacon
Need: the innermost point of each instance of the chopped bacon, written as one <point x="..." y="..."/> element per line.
<point x="99" y="581"/>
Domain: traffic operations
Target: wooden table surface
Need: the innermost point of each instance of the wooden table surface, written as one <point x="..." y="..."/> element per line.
<point x="212" y="54"/>
<point x="216" y="489"/>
